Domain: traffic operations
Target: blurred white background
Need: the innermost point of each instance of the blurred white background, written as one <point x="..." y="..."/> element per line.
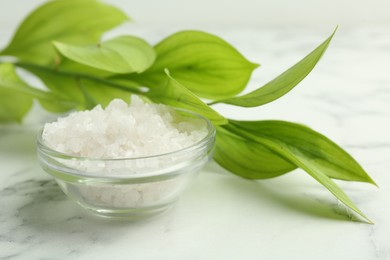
<point x="233" y="12"/>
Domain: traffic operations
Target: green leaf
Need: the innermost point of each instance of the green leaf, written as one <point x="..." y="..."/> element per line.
<point x="10" y="80"/>
<point x="100" y="93"/>
<point x="86" y="91"/>
<point x="307" y="149"/>
<point x="247" y="158"/>
<point x="124" y="54"/>
<point x="282" y="84"/>
<point x="19" y="95"/>
<point x="59" y="84"/>
<point x="335" y="162"/>
<point x="207" y="65"/>
<point x="71" y="67"/>
<point x="174" y="94"/>
<point x="69" y="21"/>
<point x="317" y="172"/>
<point x="14" y="105"/>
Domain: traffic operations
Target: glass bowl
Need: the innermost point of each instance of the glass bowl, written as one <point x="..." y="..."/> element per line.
<point x="129" y="188"/>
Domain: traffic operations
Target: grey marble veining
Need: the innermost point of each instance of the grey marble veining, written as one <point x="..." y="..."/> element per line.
<point x="347" y="97"/>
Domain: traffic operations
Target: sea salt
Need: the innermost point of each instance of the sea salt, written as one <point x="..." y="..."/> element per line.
<point x="123" y="131"/>
<point x="126" y="131"/>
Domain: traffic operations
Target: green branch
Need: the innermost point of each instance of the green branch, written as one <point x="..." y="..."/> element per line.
<point x="28" y="66"/>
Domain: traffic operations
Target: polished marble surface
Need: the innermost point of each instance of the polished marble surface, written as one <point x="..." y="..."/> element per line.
<point x="347" y="97"/>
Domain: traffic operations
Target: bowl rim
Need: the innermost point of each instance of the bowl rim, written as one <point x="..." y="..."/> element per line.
<point x="42" y="147"/>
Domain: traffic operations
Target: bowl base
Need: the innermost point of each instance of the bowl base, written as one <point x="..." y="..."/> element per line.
<point x="130" y="214"/>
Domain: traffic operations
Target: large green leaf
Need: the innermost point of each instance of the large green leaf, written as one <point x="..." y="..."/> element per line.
<point x="281" y="84"/>
<point x="69" y="21"/>
<point x="16" y="96"/>
<point x="247" y="158"/>
<point x="124" y="54"/>
<point x="10" y="80"/>
<point x="335" y="162"/>
<point x="307" y="149"/>
<point x="204" y="63"/>
<point x="13" y="104"/>
<point x="172" y="93"/>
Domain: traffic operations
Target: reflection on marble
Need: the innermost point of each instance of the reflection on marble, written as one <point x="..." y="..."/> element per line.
<point x="347" y="98"/>
<point x="38" y="215"/>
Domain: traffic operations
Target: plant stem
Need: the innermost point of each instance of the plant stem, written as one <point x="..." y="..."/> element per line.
<point x="109" y="83"/>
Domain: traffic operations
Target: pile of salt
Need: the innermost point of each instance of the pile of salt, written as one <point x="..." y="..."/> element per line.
<point x="123" y="131"/>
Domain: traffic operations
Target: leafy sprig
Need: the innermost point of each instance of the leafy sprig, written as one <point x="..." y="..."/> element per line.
<point x="59" y="43"/>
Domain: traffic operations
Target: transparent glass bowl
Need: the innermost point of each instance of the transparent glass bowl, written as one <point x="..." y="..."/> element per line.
<point x="128" y="188"/>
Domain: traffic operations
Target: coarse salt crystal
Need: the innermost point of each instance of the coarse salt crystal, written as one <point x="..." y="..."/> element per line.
<point x="121" y="131"/>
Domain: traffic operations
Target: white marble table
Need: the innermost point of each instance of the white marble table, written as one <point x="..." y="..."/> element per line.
<point x="347" y="97"/>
